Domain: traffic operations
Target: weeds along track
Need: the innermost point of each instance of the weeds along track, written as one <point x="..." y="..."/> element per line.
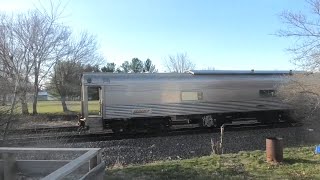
<point x="109" y="136"/>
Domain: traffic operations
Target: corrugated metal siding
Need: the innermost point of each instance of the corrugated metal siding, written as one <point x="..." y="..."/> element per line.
<point x="126" y="111"/>
<point x="170" y="92"/>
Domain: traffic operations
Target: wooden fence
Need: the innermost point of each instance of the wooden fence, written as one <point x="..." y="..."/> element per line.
<point x="87" y="166"/>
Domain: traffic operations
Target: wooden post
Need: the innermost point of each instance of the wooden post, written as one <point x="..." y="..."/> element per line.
<point x="9" y="167"/>
<point x="221" y="138"/>
<point x="93" y="163"/>
<point x="99" y="157"/>
<point x="100" y="175"/>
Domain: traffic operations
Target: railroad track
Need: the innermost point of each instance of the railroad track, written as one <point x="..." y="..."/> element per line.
<point x="75" y="138"/>
<point x="44" y="130"/>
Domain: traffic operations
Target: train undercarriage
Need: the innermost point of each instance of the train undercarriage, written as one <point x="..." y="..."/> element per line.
<point x="204" y="121"/>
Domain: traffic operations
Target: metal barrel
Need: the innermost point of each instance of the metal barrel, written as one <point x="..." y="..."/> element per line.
<point x="274" y="149"/>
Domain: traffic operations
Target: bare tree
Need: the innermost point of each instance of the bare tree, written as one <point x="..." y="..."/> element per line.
<point x="36" y="40"/>
<point x="9" y="113"/>
<point x="3" y="80"/>
<point x="48" y="46"/>
<point x="11" y="72"/>
<point x="306" y="33"/>
<point x="178" y="63"/>
<point x="6" y="89"/>
<point x="302" y="91"/>
<point x="13" y="55"/>
<point x="65" y="79"/>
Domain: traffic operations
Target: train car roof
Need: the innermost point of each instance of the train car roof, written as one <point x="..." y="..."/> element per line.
<point x="98" y="78"/>
<point x="203" y="72"/>
<point x="242" y="72"/>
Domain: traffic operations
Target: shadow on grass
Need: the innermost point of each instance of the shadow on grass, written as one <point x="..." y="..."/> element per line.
<point x="291" y="161"/>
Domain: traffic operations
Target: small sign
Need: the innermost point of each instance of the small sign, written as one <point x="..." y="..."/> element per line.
<point x="317" y="151"/>
<point x="141" y="111"/>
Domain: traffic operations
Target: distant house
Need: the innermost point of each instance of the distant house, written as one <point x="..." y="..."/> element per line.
<point x="42" y="96"/>
<point x="45" y="96"/>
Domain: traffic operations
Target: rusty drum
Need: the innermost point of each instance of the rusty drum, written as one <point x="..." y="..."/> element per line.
<point x="274" y="149"/>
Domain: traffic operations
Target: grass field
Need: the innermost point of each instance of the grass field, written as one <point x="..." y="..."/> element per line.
<point x="299" y="163"/>
<point x="55" y="107"/>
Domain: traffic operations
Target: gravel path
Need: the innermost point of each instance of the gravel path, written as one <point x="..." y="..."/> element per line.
<point x="132" y="151"/>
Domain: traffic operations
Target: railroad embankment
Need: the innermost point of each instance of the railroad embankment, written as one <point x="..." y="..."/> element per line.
<point x="299" y="163"/>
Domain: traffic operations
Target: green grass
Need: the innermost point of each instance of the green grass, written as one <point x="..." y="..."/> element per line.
<point x="299" y="163"/>
<point x="55" y="107"/>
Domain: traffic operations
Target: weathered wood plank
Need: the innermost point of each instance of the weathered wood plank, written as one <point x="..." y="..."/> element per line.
<point x="40" y="168"/>
<point x="96" y="173"/>
<point x="23" y="150"/>
<point x="71" y="166"/>
<point x="99" y="158"/>
<point x="93" y="162"/>
<point x="9" y="166"/>
<point x="89" y="161"/>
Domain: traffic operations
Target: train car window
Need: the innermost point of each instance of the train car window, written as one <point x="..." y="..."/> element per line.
<point x="191" y="96"/>
<point x="267" y="93"/>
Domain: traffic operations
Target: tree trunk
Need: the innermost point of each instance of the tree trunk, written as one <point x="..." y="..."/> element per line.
<point x="4" y="99"/>
<point x="13" y="104"/>
<point x="36" y="90"/>
<point x="24" y="103"/>
<point x="34" y="103"/>
<point x="63" y="103"/>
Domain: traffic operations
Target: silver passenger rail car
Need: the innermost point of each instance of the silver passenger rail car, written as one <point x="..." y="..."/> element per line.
<point x="129" y="102"/>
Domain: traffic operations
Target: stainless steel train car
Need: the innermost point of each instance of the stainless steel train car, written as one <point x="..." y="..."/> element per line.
<point x="206" y="98"/>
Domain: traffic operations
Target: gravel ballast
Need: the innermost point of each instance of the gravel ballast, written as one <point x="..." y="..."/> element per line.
<point x="144" y="150"/>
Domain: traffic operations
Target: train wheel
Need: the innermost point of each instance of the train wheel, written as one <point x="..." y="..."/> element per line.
<point x="163" y="128"/>
<point x="208" y="121"/>
<point x="117" y="130"/>
<point x="117" y="127"/>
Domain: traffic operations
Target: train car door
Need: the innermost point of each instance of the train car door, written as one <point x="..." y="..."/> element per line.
<point x="95" y="101"/>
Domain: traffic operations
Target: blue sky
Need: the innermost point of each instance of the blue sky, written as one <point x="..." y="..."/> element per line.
<point x="228" y="34"/>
